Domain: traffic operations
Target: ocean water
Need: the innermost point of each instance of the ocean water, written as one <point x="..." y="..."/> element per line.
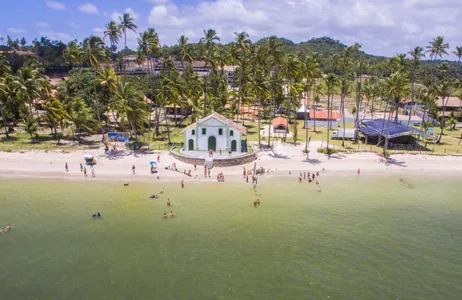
<point x="360" y="238"/>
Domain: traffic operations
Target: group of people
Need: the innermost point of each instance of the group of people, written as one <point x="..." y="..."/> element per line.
<point x="171" y="214"/>
<point x="220" y="177"/>
<point x="311" y="177"/>
<point x="84" y="169"/>
<point x="5" y="228"/>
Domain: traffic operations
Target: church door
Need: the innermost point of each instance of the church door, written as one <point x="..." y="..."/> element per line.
<point x="233" y="145"/>
<point x="212" y="143"/>
<point x="191" y="145"/>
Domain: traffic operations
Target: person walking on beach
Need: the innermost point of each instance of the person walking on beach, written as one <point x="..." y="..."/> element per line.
<point x="359" y="171"/>
<point x="85" y="172"/>
<point x="133" y="169"/>
<point x="81" y="167"/>
<point x="158" y="158"/>
<point x="66" y="167"/>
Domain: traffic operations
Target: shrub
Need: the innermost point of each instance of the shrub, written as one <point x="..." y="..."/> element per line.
<point x="327" y="151"/>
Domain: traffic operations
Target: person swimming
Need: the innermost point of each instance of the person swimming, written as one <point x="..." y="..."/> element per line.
<point x="171" y="214"/>
<point x="164" y="215"/>
<point x="319" y="188"/>
<point x="8" y="226"/>
<point x="153" y="196"/>
<point x="168" y="201"/>
<point x="98" y="214"/>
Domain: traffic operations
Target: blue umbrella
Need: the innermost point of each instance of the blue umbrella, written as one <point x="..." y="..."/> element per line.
<point x="152" y="163"/>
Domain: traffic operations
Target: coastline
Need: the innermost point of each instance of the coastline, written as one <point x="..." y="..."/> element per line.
<point x="279" y="162"/>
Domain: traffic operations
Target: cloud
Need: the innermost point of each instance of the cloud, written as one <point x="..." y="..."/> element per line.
<point x="382" y="27"/>
<point x="72" y="24"/>
<point x="98" y="30"/>
<point x="116" y="15"/>
<point x="16" y="30"/>
<point x="43" y="24"/>
<point x="89" y="8"/>
<point x="56" y="5"/>
<point x="53" y="35"/>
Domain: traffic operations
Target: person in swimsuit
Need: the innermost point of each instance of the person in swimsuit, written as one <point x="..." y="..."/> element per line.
<point x="164" y="215"/>
<point x="161" y="190"/>
<point x="168" y="202"/>
<point x="171" y="214"/>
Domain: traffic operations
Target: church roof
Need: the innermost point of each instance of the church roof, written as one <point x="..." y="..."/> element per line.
<point x="223" y="119"/>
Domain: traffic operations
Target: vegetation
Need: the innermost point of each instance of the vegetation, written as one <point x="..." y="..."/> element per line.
<point x="270" y="76"/>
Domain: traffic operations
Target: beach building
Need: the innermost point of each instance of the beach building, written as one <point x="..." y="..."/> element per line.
<point x="450" y="104"/>
<point x="280" y="125"/>
<point x="214" y="132"/>
<point x="399" y="136"/>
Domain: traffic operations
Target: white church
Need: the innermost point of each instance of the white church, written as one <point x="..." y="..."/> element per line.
<point x="213" y="132"/>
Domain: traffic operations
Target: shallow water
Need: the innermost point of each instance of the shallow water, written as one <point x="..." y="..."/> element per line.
<point x="361" y="238"/>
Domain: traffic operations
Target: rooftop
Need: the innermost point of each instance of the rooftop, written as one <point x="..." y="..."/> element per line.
<point x="449" y="102"/>
<point x="222" y="118"/>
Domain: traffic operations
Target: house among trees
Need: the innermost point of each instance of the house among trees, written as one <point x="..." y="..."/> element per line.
<point x="280" y="125"/>
<point x="214" y="132"/>
<point x="450" y="104"/>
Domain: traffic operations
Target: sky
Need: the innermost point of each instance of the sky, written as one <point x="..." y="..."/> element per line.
<point x="382" y="27"/>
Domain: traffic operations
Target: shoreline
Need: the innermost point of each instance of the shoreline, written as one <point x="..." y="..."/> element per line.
<point x="277" y="162"/>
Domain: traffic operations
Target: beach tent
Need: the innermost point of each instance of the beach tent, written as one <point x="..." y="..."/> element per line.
<point x="301" y="113"/>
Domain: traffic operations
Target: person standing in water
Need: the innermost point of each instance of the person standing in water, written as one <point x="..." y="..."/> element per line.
<point x="182" y="184"/>
<point x="168" y="202"/>
<point x="133" y="169"/>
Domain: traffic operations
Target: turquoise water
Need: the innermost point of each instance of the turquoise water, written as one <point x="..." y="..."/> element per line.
<point x="361" y="238"/>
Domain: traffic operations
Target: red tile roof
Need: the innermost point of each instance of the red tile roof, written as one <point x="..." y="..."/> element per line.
<point x="322" y="114"/>
<point x="279" y="121"/>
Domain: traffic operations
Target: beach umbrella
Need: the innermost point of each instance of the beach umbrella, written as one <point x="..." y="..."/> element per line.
<point x="152" y="163"/>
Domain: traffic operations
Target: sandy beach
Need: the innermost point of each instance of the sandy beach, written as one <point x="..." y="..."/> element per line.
<point x="284" y="159"/>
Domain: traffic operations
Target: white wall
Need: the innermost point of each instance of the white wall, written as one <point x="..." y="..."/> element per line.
<point x="212" y="127"/>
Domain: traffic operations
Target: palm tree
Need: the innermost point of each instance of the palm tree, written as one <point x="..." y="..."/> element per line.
<point x="73" y="53"/>
<point x="395" y="86"/>
<point x="331" y="82"/>
<point x="243" y="44"/>
<point x="80" y="115"/>
<point x="443" y="90"/>
<point x="114" y="35"/>
<point x="29" y="82"/>
<point x="30" y="125"/>
<point x="436" y="49"/>
<point x="130" y="103"/>
<point x="318" y="91"/>
<point x="55" y="114"/>
<point x="458" y="53"/>
<point x="416" y="53"/>
<point x="274" y="57"/>
<point x="94" y="53"/>
<point x="311" y="71"/>
<point x="209" y="44"/>
<point x="127" y="22"/>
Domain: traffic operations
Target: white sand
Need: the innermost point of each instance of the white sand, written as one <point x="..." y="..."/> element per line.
<point x="285" y="158"/>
